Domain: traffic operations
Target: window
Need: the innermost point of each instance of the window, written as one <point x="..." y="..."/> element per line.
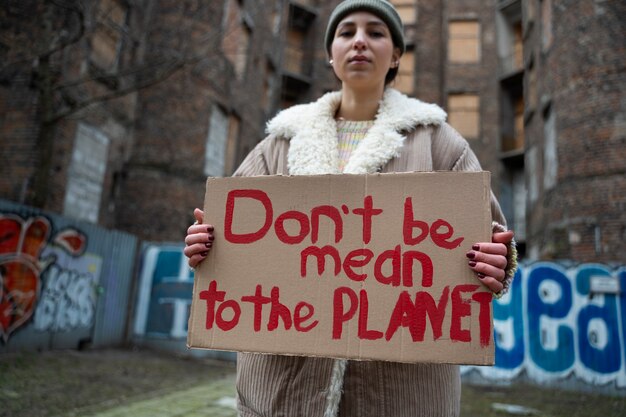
<point x="546" y="24"/>
<point x="519" y="205"/>
<point x="407" y="11"/>
<point x="241" y="60"/>
<point x="464" y="42"/>
<point x="275" y="18"/>
<point x="464" y="114"/>
<point x="236" y="37"/>
<point x="531" y="88"/>
<point x="518" y="124"/>
<point x="513" y="199"/>
<point x="269" y="87"/>
<point x="405" y="78"/>
<point x="86" y="174"/>
<point x="531" y="165"/>
<point x="231" y="147"/>
<point x="216" y="143"/>
<point x="107" y="37"/>
<point x="294" y="52"/>
<point x="518" y="46"/>
<point x="529" y="11"/>
<point x="511" y="121"/>
<point x="550" y="160"/>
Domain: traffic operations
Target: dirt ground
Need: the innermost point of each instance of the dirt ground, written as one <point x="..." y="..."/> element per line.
<point x="73" y="383"/>
<point x="530" y="400"/>
<point x="70" y="382"/>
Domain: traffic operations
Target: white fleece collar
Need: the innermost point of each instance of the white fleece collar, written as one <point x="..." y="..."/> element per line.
<point x="313" y="133"/>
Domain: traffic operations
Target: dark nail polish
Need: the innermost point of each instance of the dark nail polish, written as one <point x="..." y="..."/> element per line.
<point x="204" y="253"/>
<point x="208" y="244"/>
<point x="209" y="229"/>
<point x="476" y="247"/>
<point x="480" y="275"/>
<point x="472" y="264"/>
<point x="470" y="255"/>
<point x="211" y="237"/>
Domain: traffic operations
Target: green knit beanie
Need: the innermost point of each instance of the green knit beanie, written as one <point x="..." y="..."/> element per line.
<point x="381" y="8"/>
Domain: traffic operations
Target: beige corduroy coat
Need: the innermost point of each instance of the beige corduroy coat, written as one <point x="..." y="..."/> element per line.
<point x="407" y="135"/>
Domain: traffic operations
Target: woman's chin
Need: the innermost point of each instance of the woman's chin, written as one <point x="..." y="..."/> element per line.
<point x="362" y="79"/>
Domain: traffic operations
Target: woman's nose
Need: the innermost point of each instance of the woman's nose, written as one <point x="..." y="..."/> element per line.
<point x="359" y="41"/>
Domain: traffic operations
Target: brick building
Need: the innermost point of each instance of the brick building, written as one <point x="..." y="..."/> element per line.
<point x="535" y="86"/>
<point x="196" y="82"/>
<point x="465" y="56"/>
<point x="203" y="120"/>
<point x="576" y="134"/>
<point x="55" y="154"/>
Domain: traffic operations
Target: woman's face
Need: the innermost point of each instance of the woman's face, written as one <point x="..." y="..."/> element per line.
<point x="362" y="51"/>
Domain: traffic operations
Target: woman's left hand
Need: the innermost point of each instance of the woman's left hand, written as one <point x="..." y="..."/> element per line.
<point x="488" y="260"/>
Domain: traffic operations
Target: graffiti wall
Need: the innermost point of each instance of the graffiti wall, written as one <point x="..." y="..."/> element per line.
<point x="52" y="273"/>
<point x="35" y="282"/>
<point x="166" y="285"/>
<point x="554" y="326"/>
<point x="550" y="327"/>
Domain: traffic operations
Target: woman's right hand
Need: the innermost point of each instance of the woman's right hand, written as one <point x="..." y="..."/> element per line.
<point x="199" y="240"/>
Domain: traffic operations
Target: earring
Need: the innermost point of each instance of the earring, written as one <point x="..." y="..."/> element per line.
<point x="396" y="64"/>
<point x="331" y="62"/>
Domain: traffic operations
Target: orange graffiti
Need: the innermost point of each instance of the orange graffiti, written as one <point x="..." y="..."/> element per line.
<point x="21" y="245"/>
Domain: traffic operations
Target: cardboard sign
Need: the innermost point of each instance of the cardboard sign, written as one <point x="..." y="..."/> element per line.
<point x="346" y="266"/>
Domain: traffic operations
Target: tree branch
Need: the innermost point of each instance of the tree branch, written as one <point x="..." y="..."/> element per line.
<point x="161" y="75"/>
<point x="57" y="43"/>
<point x="77" y="36"/>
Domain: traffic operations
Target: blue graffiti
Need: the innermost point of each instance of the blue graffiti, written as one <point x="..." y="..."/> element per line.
<point x="596" y="354"/>
<point x="165" y="294"/>
<point x="553" y="302"/>
<point x="510" y="357"/>
<point x="552" y="325"/>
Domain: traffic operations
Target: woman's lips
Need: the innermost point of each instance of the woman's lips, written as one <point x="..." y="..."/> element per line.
<point x="359" y="59"/>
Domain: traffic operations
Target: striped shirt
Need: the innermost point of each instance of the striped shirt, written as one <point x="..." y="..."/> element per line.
<point x="349" y="134"/>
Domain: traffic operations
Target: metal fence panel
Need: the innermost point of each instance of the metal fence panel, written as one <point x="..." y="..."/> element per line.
<point x="65" y="283"/>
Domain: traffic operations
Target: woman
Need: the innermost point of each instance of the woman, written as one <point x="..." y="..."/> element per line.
<point x="364" y="128"/>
